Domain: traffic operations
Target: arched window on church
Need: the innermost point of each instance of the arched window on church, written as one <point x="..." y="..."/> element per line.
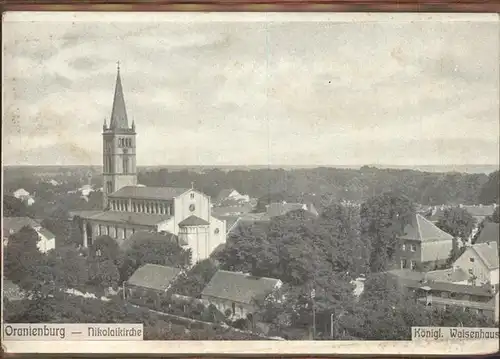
<point x="157" y="209"/>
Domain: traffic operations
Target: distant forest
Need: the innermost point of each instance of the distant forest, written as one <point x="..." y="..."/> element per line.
<point x="322" y="186"/>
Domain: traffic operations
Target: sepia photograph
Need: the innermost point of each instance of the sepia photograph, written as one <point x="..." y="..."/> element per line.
<point x="183" y="182"/>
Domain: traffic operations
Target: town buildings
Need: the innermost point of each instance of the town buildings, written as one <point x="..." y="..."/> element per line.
<point x="12" y="225"/>
<point x="129" y="207"/>
<point x="481" y="262"/>
<point x="423" y="245"/>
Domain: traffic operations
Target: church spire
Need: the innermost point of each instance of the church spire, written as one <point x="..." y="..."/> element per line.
<point x="119" y="118"/>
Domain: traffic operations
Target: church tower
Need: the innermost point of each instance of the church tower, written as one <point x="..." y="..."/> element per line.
<point x="119" y="143"/>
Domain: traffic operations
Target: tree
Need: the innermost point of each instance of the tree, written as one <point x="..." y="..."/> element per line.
<point x="22" y="256"/>
<point x="106" y="248"/>
<point x="14" y="207"/>
<point x="457" y="222"/>
<point x="385" y="311"/>
<point x="70" y="268"/>
<point x="60" y="226"/>
<point x="490" y="191"/>
<point x="339" y="228"/>
<point x="155" y="251"/>
<point x="103" y="274"/>
<point x="456" y="251"/>
<point x="495" y="217"/>
<point x="193" y="283"/>
<point x="383" y="218"/>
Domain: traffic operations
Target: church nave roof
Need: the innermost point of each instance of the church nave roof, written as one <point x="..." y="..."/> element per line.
<point x="146" y="219"/>
<point x="160" y="193"/>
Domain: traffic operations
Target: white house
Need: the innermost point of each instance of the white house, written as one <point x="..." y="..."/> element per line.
<point x="231" y="195"/>
<point x="24" y="196"/>
<point x="12" y="225"/>
<point x="20" y="193"/>
<point x="481" y="261"/>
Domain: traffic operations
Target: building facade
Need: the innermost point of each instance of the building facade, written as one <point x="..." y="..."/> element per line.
<point x="480" y="261"/>
<point x="129" y="207"/>
<point x="423" y="246"/>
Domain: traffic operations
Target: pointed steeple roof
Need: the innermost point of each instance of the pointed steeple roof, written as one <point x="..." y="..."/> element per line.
<point x="119" y="118"/>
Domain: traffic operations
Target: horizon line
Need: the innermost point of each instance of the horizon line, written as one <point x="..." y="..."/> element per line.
<point x="266" y="165"/>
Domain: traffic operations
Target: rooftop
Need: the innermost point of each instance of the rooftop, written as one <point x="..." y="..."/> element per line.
<point x="461" y="303"/>
<point x="154" y="276"/>
<point x="12" y="225"/>
<point x="159" y="193"/>
<point x="146" y="219"/>
<point x="488" y="252"/>
<point x="279" y="209"/>
<point x="12" y="291"/>
<point x="239" y="287"/>
<point x="423" y="230"/>
<point x="489" y="233"/>
<point x="193" y="221"/>
<point x="480" y="211"/>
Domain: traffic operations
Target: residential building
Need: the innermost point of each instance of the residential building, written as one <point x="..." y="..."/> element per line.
<point x="20" y="193"/>
<point x="480" y="261"/>
<point x="436" y="213"/>
<point x="281" y="208"/>
<point x="422" y="246"/>
<point x="489" y="233"/>
<point x="235" y="293"/>
<point x="11" y="291"/>
<point x="231" y="196"/>
<point x="478" y="299"/>
<point x="12" y="225"/>
<point x="232" y="210"/>
<point x="480" y="212"/>
<point x="151" y="282"/>
<point x="129" y="207"/>
<point x="450" y="275"/>
<point x="24" y="196"/>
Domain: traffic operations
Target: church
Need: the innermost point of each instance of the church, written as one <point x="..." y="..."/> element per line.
<point x="129" y="207"/>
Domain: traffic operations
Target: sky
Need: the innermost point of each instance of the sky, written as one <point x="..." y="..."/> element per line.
<point x="254" y="89"/>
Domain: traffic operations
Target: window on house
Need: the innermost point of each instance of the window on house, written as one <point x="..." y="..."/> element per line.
<point x="413" y="264"/>
<point x="192" y="195"/>
<point x="413" y="247"/>
<point x="216" y="231"/>
<point x="403" y="247"/>
<point x="471" y="260"/>
<point x="403" y="263"/>
<point x="233" y="308"/>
